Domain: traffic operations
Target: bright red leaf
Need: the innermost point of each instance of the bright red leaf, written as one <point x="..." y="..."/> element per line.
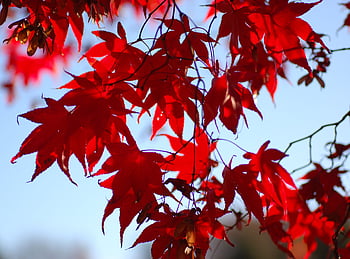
<point x="192" y="160"/>
<point x="229" y="98"/>
<point x="137" y="179"/>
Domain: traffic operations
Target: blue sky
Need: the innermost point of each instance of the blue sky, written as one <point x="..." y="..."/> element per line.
<point x="53" y="209"/>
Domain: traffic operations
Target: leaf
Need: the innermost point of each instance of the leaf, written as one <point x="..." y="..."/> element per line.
<point x="173" y="232"/>
<point x="243" y="181"/>
<point x="339" y="150"/>
<point x="121" y="31"/>
<point x="137" y="179"/>
<point x="182" y="186"/>
<point x="278" y="235"/>
<point x="275" y="179"/>
<point x="192" y="161"/>
<point x="172" y="93"/>
<point x="236" y="23"/>
<point x="214" y="98"/>
<point x="60" y="26"/>
<point x="48" y="139"/>
<point x="229" y="98"/>
<point x="212" y="189"/>
<point x="77" y="24"/>
<point x="159" y="119"/>
<point x="283" y="30"/>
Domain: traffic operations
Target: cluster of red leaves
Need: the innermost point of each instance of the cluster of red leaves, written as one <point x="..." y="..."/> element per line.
<point x="46" y="27"/>
<point x="164" y="81"/>
<point x="21" y="67"/>
<point x="47" y="22"/>
<point x="263" y="36"/>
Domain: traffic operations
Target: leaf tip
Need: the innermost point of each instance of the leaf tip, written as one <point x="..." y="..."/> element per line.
<point x="14" y="159"/>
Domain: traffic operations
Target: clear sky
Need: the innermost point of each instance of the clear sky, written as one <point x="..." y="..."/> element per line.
<point x="53" y="210"/>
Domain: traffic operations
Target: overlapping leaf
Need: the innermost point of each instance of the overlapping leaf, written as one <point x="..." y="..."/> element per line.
<point x="278" y="22"/>
<point x="229" y="98"/>
<point x="192" y="159"/>
<point x="137" y="179"/>
<point x="182" y="235"/>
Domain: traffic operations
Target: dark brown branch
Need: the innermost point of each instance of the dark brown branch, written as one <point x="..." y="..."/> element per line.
<point x="309" y="137"/>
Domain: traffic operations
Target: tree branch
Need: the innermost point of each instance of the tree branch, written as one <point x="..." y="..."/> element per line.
<point x="309" y="138"/>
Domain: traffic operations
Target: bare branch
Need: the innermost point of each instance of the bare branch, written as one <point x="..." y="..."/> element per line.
<point x="309" y="138"/>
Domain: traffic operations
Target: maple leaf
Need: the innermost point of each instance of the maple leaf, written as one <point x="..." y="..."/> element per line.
<point x="177" y="235"/>
<point x="347" y="19"/>
<point x="229" y="98"/>
<point x="192" y="160"/>
<point x="320" y="183"/>
<point x="243" y="181"/>
<point x="282" y="30"/>
<point x="137" y="179"/>
<point x="84" y="130"/>
<point x="312" y="226"/>
<point x="277" y="233"/>
<point x="182" y="186"/>
<point x="118" y="60"/>
<point x="339" y="150"/>
<point x="212" y="189"/>
<point x="89" y="88"/>
<point x="235" y="22"/>
<point x="29" y="69"/>
<point x="274" y="178"/>
<point x="196" y="40"/>
<point x="321" y="186"/>
<point x="257" y="68"/>
<point x="184" y="49"/>
<point x="165" y="233"/>
<point x="295" y="222"/>
<point x="164" y="82"/>
<point x="48" y="139"/>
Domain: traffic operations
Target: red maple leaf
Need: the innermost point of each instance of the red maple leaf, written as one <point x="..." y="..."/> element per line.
<point x="212" y="190"/>
<point x="229" y="98"/>
<point x="192" y="159"/>
<point x="29" y="69"/>
<point x="259" y="69"/>
<point x="282" y="30"/>
<point x="243" y="181"/>
<point x="137" y="179"/>
<point x="347" y="19"/>
<point x="48" y="139"/>
<point x="275" y="180"/>
<point x="184" y="234"/>
<point x="339" y="150"/>
<point x="163" y="82"/>
<point x="320" y="183"/>
<point x="322" y="186"/>
<point x="235" y="22"/>
<point x="95" y="119"/>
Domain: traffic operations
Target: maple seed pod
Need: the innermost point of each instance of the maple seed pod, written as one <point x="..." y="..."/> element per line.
<point x="191" y="237"/>
<point x="3" y="13"/>
<point x="22" y="36"/>
<point x="41" y="41"/>
<point x="33" y="45"/>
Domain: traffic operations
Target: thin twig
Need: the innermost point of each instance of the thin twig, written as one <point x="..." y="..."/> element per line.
<point x="309" y="137"/>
